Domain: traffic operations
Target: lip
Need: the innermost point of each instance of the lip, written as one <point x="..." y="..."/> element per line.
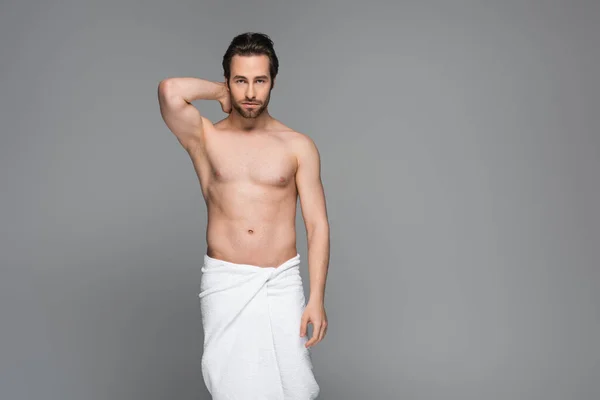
<point x="250" y="104"/>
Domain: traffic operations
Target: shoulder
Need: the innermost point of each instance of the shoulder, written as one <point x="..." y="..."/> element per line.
<point x="212" y="129"/>
<point x="302" y="142"/>
<point x="302" y="146"/>
<point x="295" y="139"/>
<point x="216" y="125"/>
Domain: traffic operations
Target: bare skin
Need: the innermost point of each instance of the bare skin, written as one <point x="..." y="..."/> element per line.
<point x="252" y="170"/>
<point x="248" y="183"/>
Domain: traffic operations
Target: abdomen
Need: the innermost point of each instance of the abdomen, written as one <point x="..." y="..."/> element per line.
<point x="251" y="224"/>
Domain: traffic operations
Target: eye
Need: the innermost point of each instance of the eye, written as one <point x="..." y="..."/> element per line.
<point x="260" y="80"/>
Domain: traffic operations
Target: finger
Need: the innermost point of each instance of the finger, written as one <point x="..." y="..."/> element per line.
<point x="319" y="333"/>
<point x="303" y="326"/>
<point x="315" y="335"/>
<point x="323" y="331"/>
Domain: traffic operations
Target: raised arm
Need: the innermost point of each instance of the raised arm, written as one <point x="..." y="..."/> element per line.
<point x="175" y="96"/>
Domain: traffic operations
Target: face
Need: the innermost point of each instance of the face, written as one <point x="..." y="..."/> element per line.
<point x="250" y="82"/>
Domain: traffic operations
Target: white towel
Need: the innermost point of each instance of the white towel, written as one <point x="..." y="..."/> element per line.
<point x="252" y="345"/>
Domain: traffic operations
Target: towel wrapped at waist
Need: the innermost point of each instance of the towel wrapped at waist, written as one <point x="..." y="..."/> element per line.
<point x="252" y="345"/>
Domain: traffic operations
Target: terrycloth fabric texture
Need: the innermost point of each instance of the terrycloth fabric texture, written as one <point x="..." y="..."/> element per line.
<point x="252" y="345"/>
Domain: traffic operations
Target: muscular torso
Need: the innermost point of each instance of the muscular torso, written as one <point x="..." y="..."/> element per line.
<point x="247" y="181"/>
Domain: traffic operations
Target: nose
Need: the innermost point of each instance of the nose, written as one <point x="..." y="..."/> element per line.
<point x="250" y="92"/>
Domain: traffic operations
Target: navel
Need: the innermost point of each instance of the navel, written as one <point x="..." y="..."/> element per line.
<point x="250" y="231"/>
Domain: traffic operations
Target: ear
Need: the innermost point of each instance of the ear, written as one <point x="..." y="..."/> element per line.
<point x="226" y="83"/>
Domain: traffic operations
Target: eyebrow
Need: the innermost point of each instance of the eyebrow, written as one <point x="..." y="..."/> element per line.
<point x="258" y="77"/>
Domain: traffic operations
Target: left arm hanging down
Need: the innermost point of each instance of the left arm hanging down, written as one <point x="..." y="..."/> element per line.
<point x="314" y="212"/>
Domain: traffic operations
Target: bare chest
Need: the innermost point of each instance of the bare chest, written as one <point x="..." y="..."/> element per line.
<point x="263" y="162"/>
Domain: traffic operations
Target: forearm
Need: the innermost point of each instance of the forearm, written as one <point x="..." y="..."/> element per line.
<point x="318" y="260"/>
<point x="191" y="89"/>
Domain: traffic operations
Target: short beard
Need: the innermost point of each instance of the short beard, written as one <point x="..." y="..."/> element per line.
<point x="250" y="114"/>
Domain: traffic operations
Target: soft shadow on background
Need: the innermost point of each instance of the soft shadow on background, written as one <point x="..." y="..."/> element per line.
<point x="460" y="149"/>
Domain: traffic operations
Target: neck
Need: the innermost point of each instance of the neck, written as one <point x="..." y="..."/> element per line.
<point x="238" y="122"/>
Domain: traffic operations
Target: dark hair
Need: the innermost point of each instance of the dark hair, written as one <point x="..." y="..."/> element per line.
<point x="251" y="44"/>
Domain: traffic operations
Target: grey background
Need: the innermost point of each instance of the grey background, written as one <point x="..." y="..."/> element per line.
<point x="460" y="148"/>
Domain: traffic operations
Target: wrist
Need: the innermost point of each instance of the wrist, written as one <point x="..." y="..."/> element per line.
<point x="316" y="298"/>
<point x="223" y="93"/>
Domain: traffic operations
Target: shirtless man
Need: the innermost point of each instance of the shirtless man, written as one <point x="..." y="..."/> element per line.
<point x="252" y="169"/>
